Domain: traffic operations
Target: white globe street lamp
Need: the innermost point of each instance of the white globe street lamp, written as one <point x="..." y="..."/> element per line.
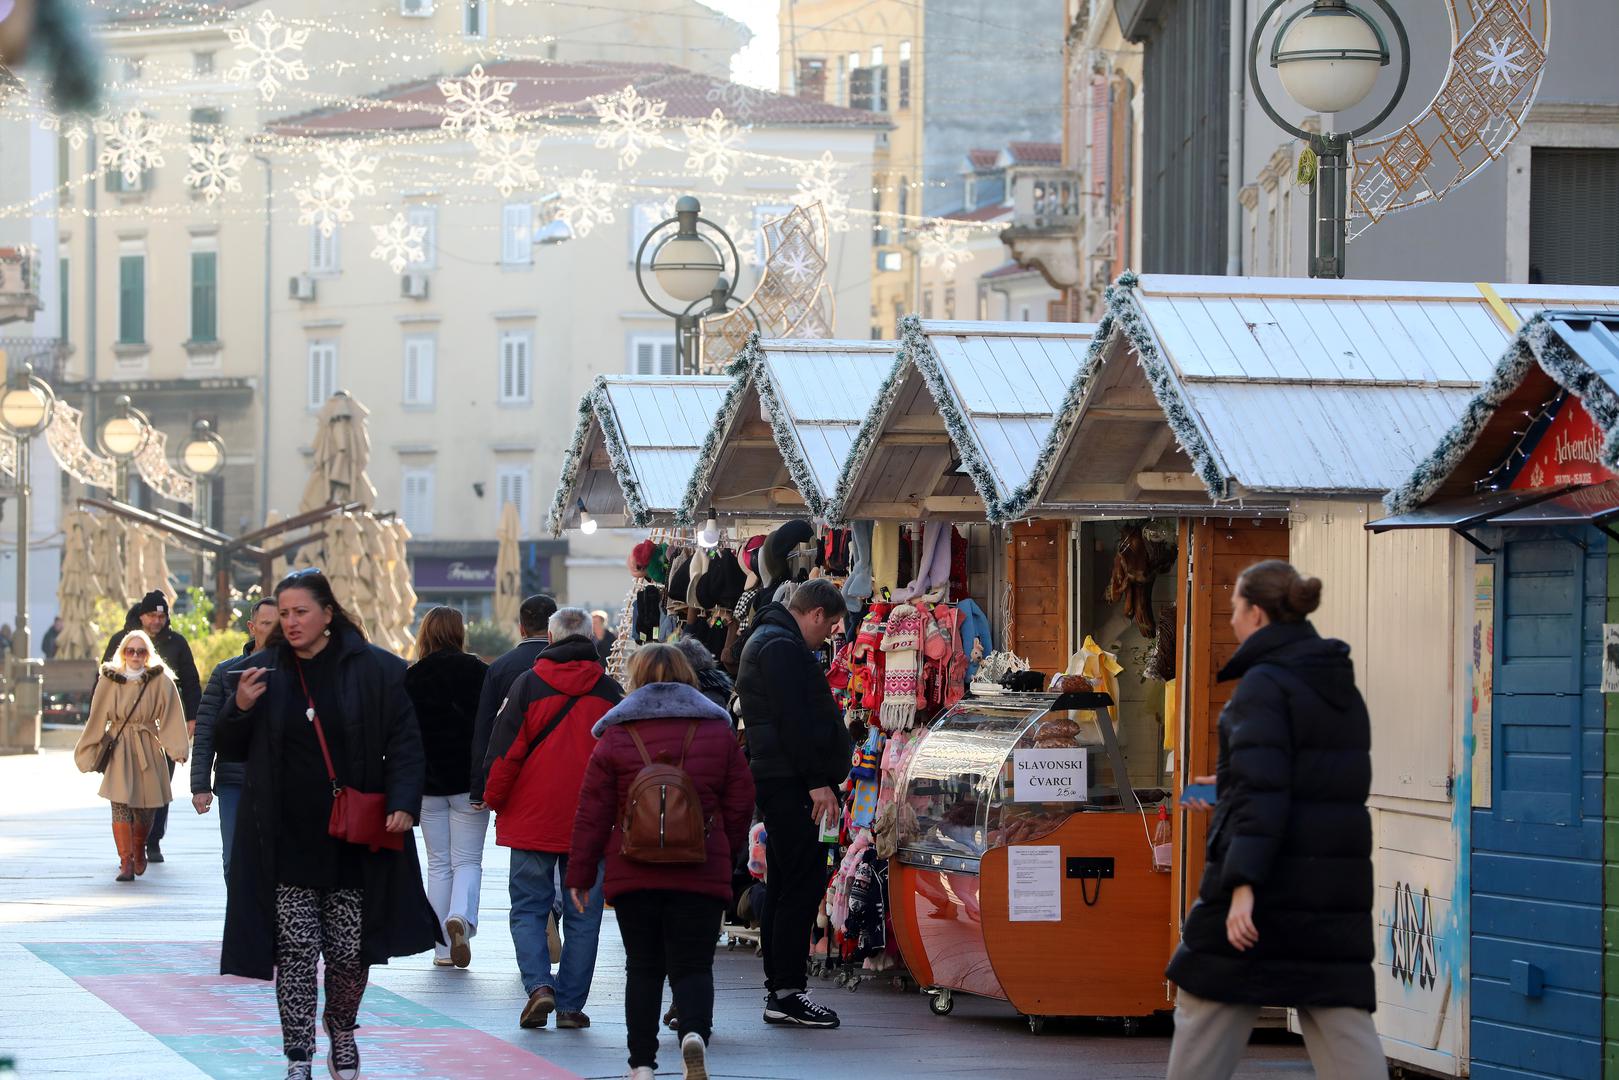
<point x="25" y="411"/>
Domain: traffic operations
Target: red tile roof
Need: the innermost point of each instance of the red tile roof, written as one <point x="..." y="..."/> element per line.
<point x="983" y="159"/>
<point x="1035" y="153"/>
<point x="556" y="91"/>
<point x="1005" y="270"/>
<point x="167" y="12"/>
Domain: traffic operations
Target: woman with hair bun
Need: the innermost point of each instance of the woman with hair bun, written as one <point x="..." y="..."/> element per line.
<point x="1284" y="911"/>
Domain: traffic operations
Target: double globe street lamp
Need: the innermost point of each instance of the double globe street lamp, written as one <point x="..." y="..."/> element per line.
<point x="123" y="435"/>
<point x="1328" y="56"/>
<point x="25" y="411"/>
<point x="689" y="266"/>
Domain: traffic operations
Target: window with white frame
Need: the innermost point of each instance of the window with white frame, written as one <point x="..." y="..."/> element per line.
<point x="516" y="366"/>
<point x="322" y="380"/>
<point x="517" y="234"/>
<point x="420" y="353"/>
<point x="652" y="354"/>
<point x="644" y="217"/>
<point x="768" y="235"/>
<point x="323" y="250"/>
<point x="472" y="18"/>
<point x="425" y="218"/>
<point x="416" y="499"/>
<point x="512" y="486"/>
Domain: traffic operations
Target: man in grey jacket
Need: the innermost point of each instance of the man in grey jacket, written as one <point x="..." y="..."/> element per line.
<point x="224" y="781"/>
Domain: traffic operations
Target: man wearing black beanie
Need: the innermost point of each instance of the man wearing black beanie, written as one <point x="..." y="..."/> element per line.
<point x="152" y="615"/>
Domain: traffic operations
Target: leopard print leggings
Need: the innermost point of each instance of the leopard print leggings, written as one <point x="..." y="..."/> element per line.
<point x="311" y="923"/>
<point x="122" y="812"/>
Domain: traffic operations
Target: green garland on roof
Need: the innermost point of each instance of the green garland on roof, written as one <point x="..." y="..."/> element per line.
<point x="1535" y="343"/>
<point x="837" y="503"/>
<point x="916" y="344"/>
<point x="595" y="405"/>
<point x="786" y="436"/>
<point x="701" y="486"/>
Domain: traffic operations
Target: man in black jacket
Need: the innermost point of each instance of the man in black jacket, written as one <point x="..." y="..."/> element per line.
<point x="799" y="751"/>
<point x="152" y="615"/>
<point x="532" y="618"/>
<point x="225" y="779"/>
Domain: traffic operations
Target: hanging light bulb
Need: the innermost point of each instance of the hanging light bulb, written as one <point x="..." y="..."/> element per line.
<point x="587" y="524"/>
<point x="710" y="536"/>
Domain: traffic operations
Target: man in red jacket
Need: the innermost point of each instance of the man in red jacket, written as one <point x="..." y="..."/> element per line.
<point x="538" y="752"/>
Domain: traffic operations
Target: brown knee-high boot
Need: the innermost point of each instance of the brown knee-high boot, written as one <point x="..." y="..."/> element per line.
<point x="123" y="836"/>
<point x="142" y="826"/>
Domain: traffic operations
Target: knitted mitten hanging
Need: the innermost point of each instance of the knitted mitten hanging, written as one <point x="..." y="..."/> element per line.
<point x="902" y="645"/>
<point x="932" y="566"/>
<point x="857" y="588"/>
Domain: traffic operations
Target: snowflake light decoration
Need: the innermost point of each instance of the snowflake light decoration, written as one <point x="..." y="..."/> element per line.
<point x="629" y="124"/>
<point x="821" y="180"/>
<point x="349" y="167"/>
<point x="943" y="245"/>
<point x="507" y="160"/>
<point x="477" y="104"/>
<point x="711" y="146"/>
<point x="133" y="145"/>
<point x="216" y="168"/>
<point x="585" y="202"/>
<point x="399" y="243"/>
<point x="272" y="59"/>
<point x="320" y="206"/>
<point x="1500" y="61"/>
<point x="736" y="98"/>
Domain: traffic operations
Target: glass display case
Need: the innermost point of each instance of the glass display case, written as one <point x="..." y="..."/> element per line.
<point x="1010" y="769"/>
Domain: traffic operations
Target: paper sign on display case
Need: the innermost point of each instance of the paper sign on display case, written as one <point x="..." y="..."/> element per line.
<point x="1049" y="775"/>
<point x="1034" y="883"/>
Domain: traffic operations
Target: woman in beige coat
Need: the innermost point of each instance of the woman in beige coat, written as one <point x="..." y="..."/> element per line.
<point x="137" y="703"/>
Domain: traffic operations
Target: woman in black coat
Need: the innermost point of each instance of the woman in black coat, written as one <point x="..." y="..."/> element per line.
<point x="296" y="893"/>
<point x="1284" y="911"/>
<point x="444" y="685"/>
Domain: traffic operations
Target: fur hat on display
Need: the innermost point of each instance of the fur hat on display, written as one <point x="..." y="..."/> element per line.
<point x="779" y="547"/>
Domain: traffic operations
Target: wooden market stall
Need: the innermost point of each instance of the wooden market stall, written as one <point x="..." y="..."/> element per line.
<point x="785" y="429"/>
<point x="634" y="449"/>
<point x="1261" y="418"/>
<point x="1527" y="483"/>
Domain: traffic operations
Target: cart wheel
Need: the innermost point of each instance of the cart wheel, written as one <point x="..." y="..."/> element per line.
<point x="1037" y="1025"/>
<point x="941" y="1003"/>
<point x="1132" y="1026"/>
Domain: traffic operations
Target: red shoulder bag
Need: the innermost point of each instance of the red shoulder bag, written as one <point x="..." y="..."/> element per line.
<point x="360" y="817"/>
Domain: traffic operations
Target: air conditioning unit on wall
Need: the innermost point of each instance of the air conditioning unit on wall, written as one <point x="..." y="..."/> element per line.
<point x="413" y="286"/>
<point x="301" y="287"/>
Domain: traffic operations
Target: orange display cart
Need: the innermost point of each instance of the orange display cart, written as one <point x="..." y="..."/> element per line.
<point x="1028" y="874"/>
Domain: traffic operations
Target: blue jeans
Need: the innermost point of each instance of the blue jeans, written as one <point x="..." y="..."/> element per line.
<point x="227" y="797"/>
<point x="533" y="890"/>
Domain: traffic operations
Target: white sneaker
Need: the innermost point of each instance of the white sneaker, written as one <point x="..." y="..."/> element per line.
<point x="641" y="1072"/>
<point x="694" y="1057"/>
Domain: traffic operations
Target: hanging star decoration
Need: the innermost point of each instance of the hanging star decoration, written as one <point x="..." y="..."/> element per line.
<point x="508" y="161"/>
<point x="821" y="180"/>
<point x="272" y="59"/>
<point x="585" y="202"/>
<point x="711" y="146"/>
<point x="345" y="175"/>
<point x="216" y="168"/>
<point x="133" y="144"/>
<point x="399" y="243"/>
<point x="943" y="245"/>
<point x="477" y="105"/>
<point x="630" y="124"/>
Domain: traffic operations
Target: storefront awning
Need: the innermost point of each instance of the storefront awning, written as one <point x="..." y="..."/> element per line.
<point x="1514" y="506"/>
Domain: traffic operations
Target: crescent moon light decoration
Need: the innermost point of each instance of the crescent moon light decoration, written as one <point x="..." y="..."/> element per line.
<point x="1495" y="70"/>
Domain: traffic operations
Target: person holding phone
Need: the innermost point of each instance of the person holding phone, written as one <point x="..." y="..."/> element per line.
<point x="319" y="692"/>
<point x="1284" y="910"/>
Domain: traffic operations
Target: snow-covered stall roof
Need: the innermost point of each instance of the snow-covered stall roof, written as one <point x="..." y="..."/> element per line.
<point x="634" y="448"/>
<point x="1278" y="385"/>
<point x="980" y="396"/>
<point x="786" y="427"/>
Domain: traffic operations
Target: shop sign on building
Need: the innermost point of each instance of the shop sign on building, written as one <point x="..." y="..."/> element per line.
<point x="1049" y="775"/>
<point x="1567" y="452"/>
<point x="447" y="574"/>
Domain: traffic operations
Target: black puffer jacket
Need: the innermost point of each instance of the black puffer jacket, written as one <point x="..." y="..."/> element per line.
<point x="1294" y="773"/>
<point x="444" y="687"/>
<point x="206" y="772"/>
<point x="795" y="732"/>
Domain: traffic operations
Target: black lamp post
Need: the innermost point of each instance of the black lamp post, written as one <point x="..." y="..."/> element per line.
<point x="689" y="266"/>
<point x="1328" y="56"/>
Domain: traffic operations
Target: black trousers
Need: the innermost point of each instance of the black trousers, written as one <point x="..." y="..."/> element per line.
<point x="160" y="820"/>
<point x="795" y="882"/>
<point x="667" y="934"/>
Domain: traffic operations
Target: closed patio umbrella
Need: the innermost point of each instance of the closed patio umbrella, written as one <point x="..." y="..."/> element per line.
<point x="508" y="569"/>
<point x="341" y="452"/>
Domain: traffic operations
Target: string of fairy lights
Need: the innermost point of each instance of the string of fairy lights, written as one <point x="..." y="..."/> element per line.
<point x="342" y="156"/>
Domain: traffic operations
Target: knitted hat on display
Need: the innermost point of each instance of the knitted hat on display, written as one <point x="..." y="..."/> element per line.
<point x="749" y="558"/>
<point x="658" y="568"/>
<point x="153" y="601"/>
<point x="857" y="587"/>
<point x="679" y="583"/>
<point x="902" y="645"/>
<point x="640" y="557"/>
<point x="723" y="583"/>
<point x="779" y="546"/>
<point x="697" y="568"/>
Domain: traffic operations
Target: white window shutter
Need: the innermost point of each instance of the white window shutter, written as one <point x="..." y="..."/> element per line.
<point x="426" y="219"/>
<point x="517" y="234"/>
<point x="646" y="353"/>
<point x="666" y="358"/>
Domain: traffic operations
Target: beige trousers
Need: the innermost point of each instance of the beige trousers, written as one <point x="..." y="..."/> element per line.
<point x="1210" y="1037"/>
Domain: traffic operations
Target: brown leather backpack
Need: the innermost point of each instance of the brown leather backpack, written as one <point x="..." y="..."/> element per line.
<point x="663" y="819"/>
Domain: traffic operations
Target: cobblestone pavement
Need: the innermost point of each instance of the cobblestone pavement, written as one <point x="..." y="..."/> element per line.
<point x="117" y="982"/>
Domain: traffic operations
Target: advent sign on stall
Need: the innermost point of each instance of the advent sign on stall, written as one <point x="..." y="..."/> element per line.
<point x="1567" y="450"/>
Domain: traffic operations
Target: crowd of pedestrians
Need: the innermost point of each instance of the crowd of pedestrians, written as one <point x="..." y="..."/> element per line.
<point x="323" y="753"/>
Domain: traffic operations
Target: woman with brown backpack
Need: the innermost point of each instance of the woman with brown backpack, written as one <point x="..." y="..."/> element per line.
<point x="667" y="800"/>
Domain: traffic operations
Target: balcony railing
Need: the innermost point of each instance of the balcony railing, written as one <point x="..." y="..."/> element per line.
<point x="48" y="355"/>
<point x="19" y="283"/>
<point x="1046" y="198"/>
